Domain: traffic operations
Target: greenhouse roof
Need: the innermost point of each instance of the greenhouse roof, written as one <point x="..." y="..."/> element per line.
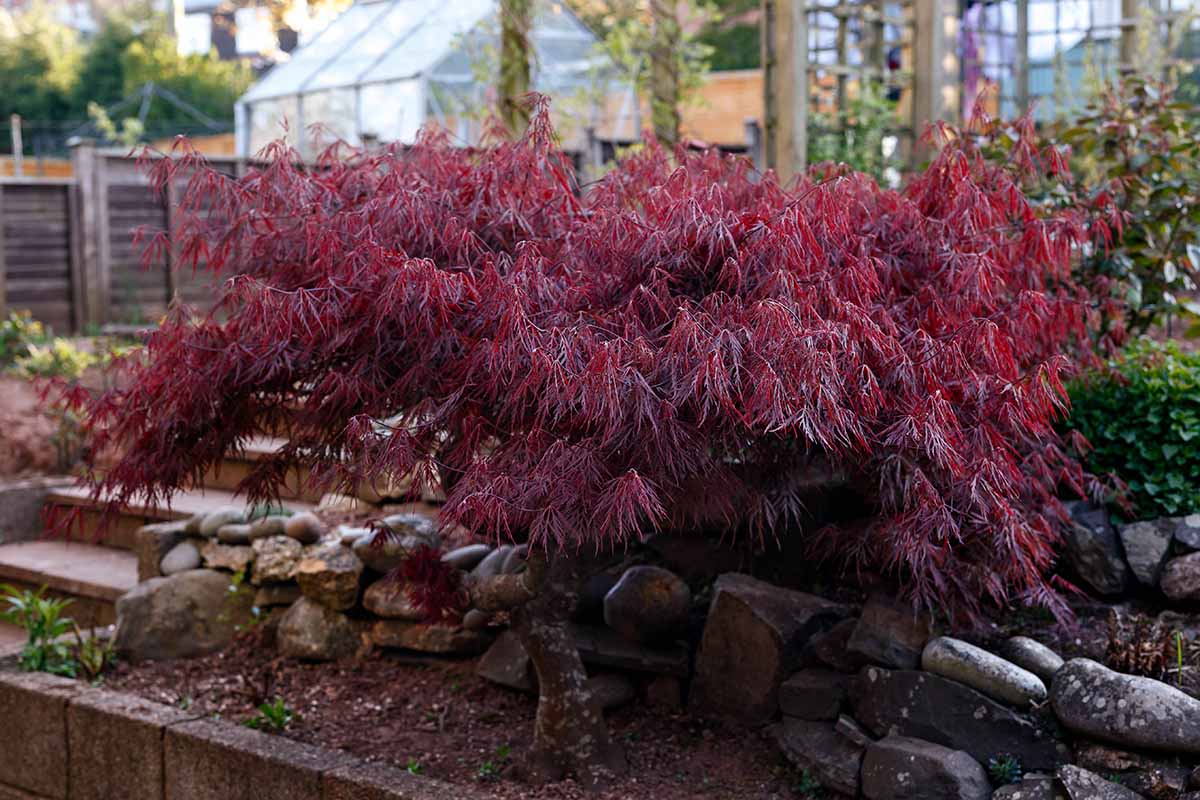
<point x="382" y="41"/>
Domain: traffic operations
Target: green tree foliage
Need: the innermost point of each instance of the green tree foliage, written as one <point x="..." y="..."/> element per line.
<point x="733" y="35"/>
<point x="1142" y="421"/>
<point x="855" y="136"/>
<point x="48" y="74"/>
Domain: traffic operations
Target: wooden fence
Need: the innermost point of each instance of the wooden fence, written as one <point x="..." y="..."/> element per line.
<point x="67" y="250"/>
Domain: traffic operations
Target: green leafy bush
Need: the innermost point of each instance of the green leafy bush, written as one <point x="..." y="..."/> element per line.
<point x="1142" y="420"/>
<point x="17" y="332"/>
<point x="45" y="626"/>
<point x="58" y="359"/>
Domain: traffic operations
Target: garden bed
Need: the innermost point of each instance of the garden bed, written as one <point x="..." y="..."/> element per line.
<point x="438" y="719"/>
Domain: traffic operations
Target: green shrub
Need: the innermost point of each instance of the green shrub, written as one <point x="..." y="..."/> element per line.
<point x="17" y="332"/>
<point x="58" y="359"/>
<point x="45" y="626"/>
<point x="1142" y="419"/>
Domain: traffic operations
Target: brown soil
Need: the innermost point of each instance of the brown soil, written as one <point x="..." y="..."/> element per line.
<point x="26" y="431"/>
<point x="437" y="717"/>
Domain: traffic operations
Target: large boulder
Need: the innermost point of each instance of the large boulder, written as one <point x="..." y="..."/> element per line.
<point x="901" y="768"/>
<point x="890" y="633"/>
<point x="1083" y="785"/>
<point x="751" y="643"/>
<point x="818" y="749"/>
<point x="1093" y="549"/>
<point x="927" y="706"/>
<point x="180" y="616"/>
<point x="1034" y="656"/>
<point x="1181" y="578"/>
<point x="648" y="604"/>
<point x="1131" y="711"/>
<point x="979" y="669"/>
<point x="1146" y="547"/>
<point x="314" y="632"/>
<point x="329" y="575"/>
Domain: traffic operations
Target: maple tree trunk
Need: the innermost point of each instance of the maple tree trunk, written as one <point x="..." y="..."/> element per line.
<point x="516" y="17"/>
<point x="570" y="735"/>
<point x="664" y="70"/>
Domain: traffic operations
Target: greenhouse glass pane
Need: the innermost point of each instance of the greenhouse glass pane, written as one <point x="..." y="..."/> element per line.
<point x="395" y="30"/>
<point x="393" y="112"/>
<point x="434" y="38"/>
<point x="334" y="113"/>
<point x="266" y="118"/>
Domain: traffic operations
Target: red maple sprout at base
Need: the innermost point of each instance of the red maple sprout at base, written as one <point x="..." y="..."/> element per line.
<point x="675" y="347"/>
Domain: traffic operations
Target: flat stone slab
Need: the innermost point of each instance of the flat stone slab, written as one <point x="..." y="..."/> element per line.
<point x="83" y="570"/>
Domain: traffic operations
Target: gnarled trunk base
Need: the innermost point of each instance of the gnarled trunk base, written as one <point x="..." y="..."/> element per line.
<point x="570" y="735"/>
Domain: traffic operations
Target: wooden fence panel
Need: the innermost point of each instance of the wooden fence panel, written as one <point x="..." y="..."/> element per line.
<point x="35" y="217"/>
<point x="137" y="293"/>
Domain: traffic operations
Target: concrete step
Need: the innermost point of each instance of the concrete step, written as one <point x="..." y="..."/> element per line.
<point x="229" y="473"/>
<point x="12" y="639"/>
<point x="121" y="530"/>
<point x="91" y="576"/>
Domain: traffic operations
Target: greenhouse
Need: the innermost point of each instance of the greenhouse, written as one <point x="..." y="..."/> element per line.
<point x="384" y="68"/>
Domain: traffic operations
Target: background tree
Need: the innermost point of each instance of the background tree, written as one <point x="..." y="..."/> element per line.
<point x="516" y="21"/>
<point x="665" y="45"/>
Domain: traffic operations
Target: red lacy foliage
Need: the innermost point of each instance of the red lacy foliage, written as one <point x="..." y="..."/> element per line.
<point x="433" y="586"/>
<point x="675" y="347"/>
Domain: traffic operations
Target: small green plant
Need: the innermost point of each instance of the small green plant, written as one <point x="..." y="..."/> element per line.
<point x="59" y="358"/>
<point x="1004" y="769"/>
<point x="414" y="767"/>
<point x="274" y="716"/>
<point x="42" y="619"/>
<point x="1141" y="418"/>
<point x="808" y="786"/>
<point x="93" y="654"/>
<point x="17" y="332"/>
<point x="490" y="769"/>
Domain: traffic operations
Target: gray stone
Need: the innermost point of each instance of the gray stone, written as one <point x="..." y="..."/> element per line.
<point x="330" y="575"/>
<point x="277" y="594"/>
<point x="822" y="752"/>
<point x="829" y="648"/>
<point x="611" y="690"/>
<point x="476" y="620"/>
<point x="604" y="647"/>
<point x="235" y="558"/>
<point x="266" y="527"/>
<point x="813" y="694"/>
<point x="648" y="604"/>
<point x="1146" y="547"/>
<point x="313" y="632"/>
<point x="492" y="563"/>
<point x="1033" y="656"/>
<point x="848" y="727"/>
<point x="507" y="664"/>
<point x="515" y="562"/>
<point x="1187" y="532"/>
<point x="235" y="533"/>
<point x="389" y="598"/>
<point x="383" y="551"/>
<point x="214" y="519"/>
<point x="927" y="706"/>
<point x="1030" y="789"/>
<point x="1181" y="577"/>
<point x="180" y="558"/>
<point x="152" y="542"/>
<point x="275" y="559"/>
<point x="901" y="768"/>
<point x="1127" y="710"/>
<point x="188" y="614"/>
<point x="979" y="669"/>
<point x="466" y="558"/>
<point x="305" y="527"/>
<point x="409" y="523"/>
<point x="191" y="525"/>
<point x="439" y="639"/>
<point x="1160" y="782"/>
<point x="890" y="633"/>
<point x="348" y="535"/>
<point x="1093" y="549"/>
<point x="1083" y="785"/>
<point x="751" y="643"/>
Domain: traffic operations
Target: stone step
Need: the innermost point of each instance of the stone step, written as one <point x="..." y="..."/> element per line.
<point x="121" y="530"/>
<point x="12" y="639"/>
<point x="91" y="576"/>
<point x="234" y="468"/>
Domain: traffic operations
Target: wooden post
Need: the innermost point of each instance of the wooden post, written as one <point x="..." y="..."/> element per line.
<point x="1129" y="26"/>
<point x="664" y="71"/>
<point x="75" y="257"/>
<point x="935" y="64"/>
<point x="172" y="200"/>
<point x="3" y="259"/>
<point x="1022" y="65"/>
<point x="516" y="20"/>
<point x="86" y="221"/>
<point x="785" y="85"/>
<point x="18" y="146"/>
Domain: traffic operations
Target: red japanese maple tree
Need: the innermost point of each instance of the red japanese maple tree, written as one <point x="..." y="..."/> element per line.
<point x="678" y="345"/>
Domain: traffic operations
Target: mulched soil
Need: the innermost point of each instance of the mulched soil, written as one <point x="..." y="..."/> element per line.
<point x="437" y="717"/>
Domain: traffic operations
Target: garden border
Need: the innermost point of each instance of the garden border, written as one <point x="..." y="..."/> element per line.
<point x="63" y="739"/>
